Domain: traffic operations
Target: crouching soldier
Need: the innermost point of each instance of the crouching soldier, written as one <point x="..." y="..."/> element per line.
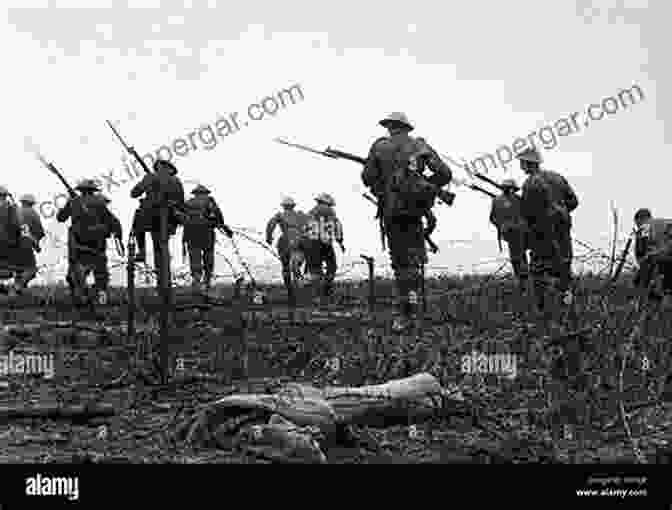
<point x="506" y="216"/>
<point x="322" y="230"/>
<point x="32" y="233"/>
<point x="161" y="186"/>
<point x="10" y="236"/>
<point x="87" y="241"/>
<point x="653" y="250"/>
<point x="290" y="244"/>
<point x="202" y="217"/>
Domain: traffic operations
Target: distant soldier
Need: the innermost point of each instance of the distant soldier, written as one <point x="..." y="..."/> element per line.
<point x="10" y="236"/>
<point x="202" y="217"/>
<point x="394" y="173"/>
<point x="653" y="250"/>
<point x="322" y="230"/>
<point x="87" y="241"/>
<point x="32" y="233"/>
<point x="506" y="216"/>
<point x="290" y="244"/>
<point x="163" y="184"/>
<point x="547" y="203"/>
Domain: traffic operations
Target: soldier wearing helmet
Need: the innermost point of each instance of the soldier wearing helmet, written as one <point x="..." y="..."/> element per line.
<point x="653" y="250"/>
<point x="322" y="229"/>
<point x="32" y="232"/>
<point x="505" y="215"/>
<point x="90" y="227"/>
<point x="290" y="244"/>
<point x="202" y="217"/>
<point x="394" y="173"/>
<point x="162" y="186"/>
<point x="10" y="236"/>
<point x="547" y="203"/>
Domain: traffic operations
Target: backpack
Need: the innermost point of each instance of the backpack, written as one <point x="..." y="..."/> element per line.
<point x="405" y="191"/>
<point x="199" y="213"/>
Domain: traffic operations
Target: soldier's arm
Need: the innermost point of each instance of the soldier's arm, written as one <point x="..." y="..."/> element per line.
<point x="371" y="171"/>
<point x="140" y="187"/>
<point x="219" y="217"/>
<point x="63" y="214"/>
<point x="270" y="227"/>
<point x="493" y="219"/>
<point x="570" y="198"/>
<point x="37" y="228"/>
<point x="442" y="173"/>
<point x="338" y="230"/>
<point x="116" y="226"/>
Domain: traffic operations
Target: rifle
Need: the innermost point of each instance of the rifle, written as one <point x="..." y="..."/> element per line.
<point x="444" y="196"/>
<point x="624" y="255"/>
<point x="54" y="170"/>
<point x="427" y="235"/>
<point x="129" y="149"/>
<point x="476" y="187"/>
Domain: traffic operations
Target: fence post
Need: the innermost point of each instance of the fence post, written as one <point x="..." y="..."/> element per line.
<point x="165" y="290"/>
<point x="372" y="290"/>
<point x="130" y="290"/>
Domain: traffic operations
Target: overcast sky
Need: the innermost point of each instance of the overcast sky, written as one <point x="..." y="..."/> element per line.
<point x="471" y="76"/>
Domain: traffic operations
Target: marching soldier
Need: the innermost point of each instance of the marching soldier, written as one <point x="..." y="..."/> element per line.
<point x="653" y="250"/>
<point x="10" y="235"/>
<point x="163" y="184"/>
<point x="547" y="203"/>
<point x="322" y="230"/>
<point x="506" y="216"/>
<point x="393" y="172"/>
<point x="203" y="216"/>
<point x="290" y="244"/>
<point x="87" y="241"/>
<point x="32" y="233"/>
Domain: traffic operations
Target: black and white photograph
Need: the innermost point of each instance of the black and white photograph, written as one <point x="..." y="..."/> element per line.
<point x="336" y="233"/>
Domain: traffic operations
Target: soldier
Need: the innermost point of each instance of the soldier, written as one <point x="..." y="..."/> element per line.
<point x="393" y="172"/>
<point x="322" y="230"/>
<point x="653" y="250"/>
<point x="506" y="216"/>
<point x="290" y="244"/>
<point x="10" y="235"/>
<point x="163" y="184"/>
<point x="547" y="203"/>
<point x="203" y="216"/>
<point x="32" y="233"/>
<point x="87" y="241"/>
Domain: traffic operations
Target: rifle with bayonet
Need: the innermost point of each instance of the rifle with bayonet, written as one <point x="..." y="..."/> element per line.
<point x="444" y="196"/>
<point x="427" y="233"/>
<point x="129" y="149"/>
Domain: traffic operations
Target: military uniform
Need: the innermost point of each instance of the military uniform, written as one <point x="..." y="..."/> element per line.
<point x="547" y="203"/>
<point x="291" y="243"/>
<point x="161" y="185"/>
<point x="32" y="232"/>
<point x="10" y="235"/>
<point x="322" y="230"/>
<point x="203" y="215"/>
<point x="506" y="215"/>
<point x="90" y="227"/>
<point x="653" y="250"/>
<point x="391" y="172"/>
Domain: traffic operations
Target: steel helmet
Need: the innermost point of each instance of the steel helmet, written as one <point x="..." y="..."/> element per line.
<point x="287" y="202"/>
<point x="87" y="185"/>
<point x="530" y="155"/>
<point x="325" y="198"/>
<point x="510" y="184"/>
<point x="397" y="118"/>
<point x="165" y="163"/>
<point x="200" y="190"/>
<point x="28" y="198"/>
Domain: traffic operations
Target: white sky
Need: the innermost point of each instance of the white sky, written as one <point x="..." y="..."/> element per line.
<point x="471" y="76"/>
